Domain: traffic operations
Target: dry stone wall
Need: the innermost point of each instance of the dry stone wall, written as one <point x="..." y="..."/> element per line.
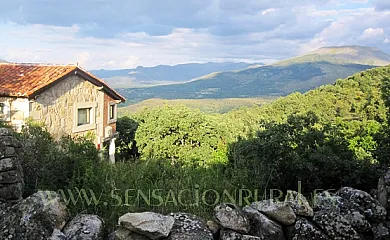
<point x="11" y="174"/>
<point x="347" y="214"/>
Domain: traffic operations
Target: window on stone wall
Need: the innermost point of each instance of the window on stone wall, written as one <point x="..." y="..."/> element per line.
<point x="83" y="116"/>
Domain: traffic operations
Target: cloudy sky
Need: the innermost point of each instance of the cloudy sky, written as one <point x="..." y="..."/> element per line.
<point x="126" y="33"/>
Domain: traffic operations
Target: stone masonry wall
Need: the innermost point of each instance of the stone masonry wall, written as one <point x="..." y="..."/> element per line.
<point x="11" y="174"/>
<point x="55" y="107"/>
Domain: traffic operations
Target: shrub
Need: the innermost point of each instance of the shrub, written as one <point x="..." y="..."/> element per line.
<point x="180" y="135"/>
<point x="126" y="145"/>
<point x="53" y="164"/>
<point x="88" y="185"/>
<point x="302" y="150"/>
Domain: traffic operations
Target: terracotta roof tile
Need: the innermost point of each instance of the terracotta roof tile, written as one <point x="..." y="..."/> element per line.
<point x="23" y="80"/>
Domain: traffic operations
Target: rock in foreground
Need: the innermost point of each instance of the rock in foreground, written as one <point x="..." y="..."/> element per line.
<point x="86" y="227"/>
<point x="189" y="227"/>
<point x="231" y="217"/>
<point x="36" y="217"/>
<point x="149" y="224"/>
<point x="278" y="211"/>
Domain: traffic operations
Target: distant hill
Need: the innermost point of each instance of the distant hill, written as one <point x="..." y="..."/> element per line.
<point x="164" y="74"/>
<point x="2" y="61"/>
<point x="343" y="55"/>
<point x="303" y="73"/>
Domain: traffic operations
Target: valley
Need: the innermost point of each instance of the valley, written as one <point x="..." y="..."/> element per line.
<point x="299" y="74"/>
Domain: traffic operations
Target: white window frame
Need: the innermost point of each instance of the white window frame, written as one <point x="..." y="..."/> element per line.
<point x="115" y="112"/>
<point x="92" y="117"/>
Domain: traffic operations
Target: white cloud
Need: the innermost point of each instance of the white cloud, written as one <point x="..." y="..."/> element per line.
<point x="363" y="26"/>
<point x="130" y="62"/>
<point x="127" y="35"/>
<point x="130" y="50"/>
<point x="269" y="10"/>
<point x="371" y="34"/>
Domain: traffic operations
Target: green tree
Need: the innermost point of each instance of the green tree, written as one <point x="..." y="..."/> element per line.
<point x="301" y="149"/>
<point x="179" y="135"/>
<point x="126" y="144"/>
<point x="383" y="151"/>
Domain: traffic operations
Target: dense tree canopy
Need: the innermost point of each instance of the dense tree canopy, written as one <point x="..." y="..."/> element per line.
<point x="333" y="128"/>
<point x="301" y="149"/>
<point x="179" y="135"/>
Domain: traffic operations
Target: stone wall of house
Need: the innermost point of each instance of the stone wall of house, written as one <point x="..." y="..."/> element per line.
<point x="55" y="106"/>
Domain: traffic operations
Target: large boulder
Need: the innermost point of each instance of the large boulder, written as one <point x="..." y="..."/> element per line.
<point x="349" y="210"/>
<point x="305" y="230"/>
<point x="299" y="204"/>
<point x="263" y="227"/>
<point x="231" y="235"/>
<point x="85" y="227"/>
<point x="278" y="211"/>
<point x="334" y="225"/>
<point x="189" y="227"/>
<point x="35" y="217"/>
<point x="149" y="224"/>
<point x="231" y="217"/>
<point x="366" y="203"/>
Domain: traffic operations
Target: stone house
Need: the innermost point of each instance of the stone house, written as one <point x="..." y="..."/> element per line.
<point x="66" y="98"/>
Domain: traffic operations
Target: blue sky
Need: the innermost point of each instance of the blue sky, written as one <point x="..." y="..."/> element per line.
<point x="126" y="33"/>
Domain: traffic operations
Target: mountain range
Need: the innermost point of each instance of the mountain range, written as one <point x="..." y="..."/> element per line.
<point x="164" y="74"/>
<point x="299" y="74"/>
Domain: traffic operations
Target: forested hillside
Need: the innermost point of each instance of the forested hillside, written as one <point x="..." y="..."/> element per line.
<point x="350" y="103"/>
<point x="301" y="74"/>
<point x="222" y="105"/>
<point x="339" y="123"/>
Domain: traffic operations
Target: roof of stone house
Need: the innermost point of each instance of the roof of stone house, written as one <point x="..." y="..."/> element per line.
<point x="27" y="80"/>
